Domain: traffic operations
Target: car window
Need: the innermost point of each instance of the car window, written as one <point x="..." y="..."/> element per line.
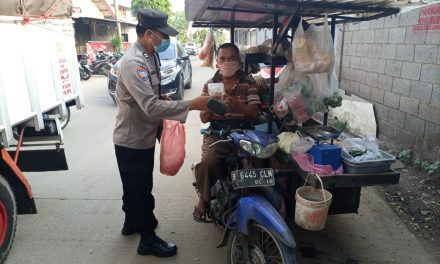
<point x="168" y="54"/>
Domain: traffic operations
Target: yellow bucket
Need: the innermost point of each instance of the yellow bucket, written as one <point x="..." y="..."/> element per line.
<point x="312" y="205"/>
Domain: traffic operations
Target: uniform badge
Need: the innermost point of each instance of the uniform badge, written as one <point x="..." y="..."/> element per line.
<point x="142" y="73"/>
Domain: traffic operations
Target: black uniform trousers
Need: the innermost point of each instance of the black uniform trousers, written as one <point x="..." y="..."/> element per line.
<point x="136" y="170"/>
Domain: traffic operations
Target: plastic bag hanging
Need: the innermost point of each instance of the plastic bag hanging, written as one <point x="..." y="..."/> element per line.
<point x="312" y="50"/>
<point x="208" y="50"/>
<point x="172" y="147"/>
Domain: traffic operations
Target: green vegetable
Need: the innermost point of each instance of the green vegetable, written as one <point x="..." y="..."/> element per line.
<point x="356" y="153"/>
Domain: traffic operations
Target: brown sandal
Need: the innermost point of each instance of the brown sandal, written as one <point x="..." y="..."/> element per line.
<point x="200" y="216"/>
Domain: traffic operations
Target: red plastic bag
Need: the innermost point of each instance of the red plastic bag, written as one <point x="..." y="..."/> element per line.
<point x="172" y="147"/>
<point x="305" y="162"/>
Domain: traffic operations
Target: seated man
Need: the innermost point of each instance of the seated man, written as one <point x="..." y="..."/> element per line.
<point x="242" y="100"/>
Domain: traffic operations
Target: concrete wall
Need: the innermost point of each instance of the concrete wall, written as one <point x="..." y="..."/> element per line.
<point x="394" y="62"/>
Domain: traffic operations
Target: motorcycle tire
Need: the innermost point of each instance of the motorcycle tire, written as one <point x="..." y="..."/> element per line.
<point x="86" y="75"/>
<point x="106" y="70"/>
<point x="8" y="218"/>
<point x="285" y="254"/>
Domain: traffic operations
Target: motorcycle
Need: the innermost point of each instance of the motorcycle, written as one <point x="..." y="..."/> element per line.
<point x="244" y="202"/>
<point x="84" y="72"/>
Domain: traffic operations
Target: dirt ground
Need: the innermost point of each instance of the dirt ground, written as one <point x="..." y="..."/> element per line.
<point x="416" y="199"/>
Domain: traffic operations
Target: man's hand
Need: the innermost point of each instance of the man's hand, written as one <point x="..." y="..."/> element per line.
<point x="166" y="98"/>
<point x="234" y="116"/>
<point x="230" y="102"/>
<point x="199" y="103"/>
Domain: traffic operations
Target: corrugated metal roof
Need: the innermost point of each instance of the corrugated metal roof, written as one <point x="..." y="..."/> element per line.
<point x="259" y="13"/>
<point x="36" y="8"/>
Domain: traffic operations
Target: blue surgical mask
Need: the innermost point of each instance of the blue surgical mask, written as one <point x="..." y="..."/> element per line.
<point x="164" y="44"/>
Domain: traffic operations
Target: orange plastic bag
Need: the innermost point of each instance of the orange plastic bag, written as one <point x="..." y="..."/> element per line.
<point x="172" y="147"/>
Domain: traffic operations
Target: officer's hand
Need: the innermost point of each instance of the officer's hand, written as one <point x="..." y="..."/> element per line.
<point x="199" y="103"/>
<point x="166" y="98"/>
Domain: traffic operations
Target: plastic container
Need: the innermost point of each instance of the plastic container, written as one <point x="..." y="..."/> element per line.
<point x="311" y="208"/>
<point x="367" y="166"/>
<point x="216" y="89"/>
<point x="326" y="154"/>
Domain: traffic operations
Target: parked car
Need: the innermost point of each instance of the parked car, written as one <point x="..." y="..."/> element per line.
<point x="175" y="69"/>
<point x="191" y="48"/>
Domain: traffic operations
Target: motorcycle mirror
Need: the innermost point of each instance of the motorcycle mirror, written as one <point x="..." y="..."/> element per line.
<point x="216" y="106"/>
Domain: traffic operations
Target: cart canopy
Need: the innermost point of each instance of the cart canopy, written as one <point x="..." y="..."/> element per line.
<point x="36" y="8"/>
<point x="260" y="13"/>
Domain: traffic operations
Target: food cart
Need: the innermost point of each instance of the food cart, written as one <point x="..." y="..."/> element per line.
<point x="283" y="16"/>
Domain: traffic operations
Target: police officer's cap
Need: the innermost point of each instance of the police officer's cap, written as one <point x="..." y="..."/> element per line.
<point x="155" y="19"/>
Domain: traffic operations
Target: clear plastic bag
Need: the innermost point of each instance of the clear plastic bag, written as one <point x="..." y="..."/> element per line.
<point x="172" y="147"/>
<point x="301" y="145"/>
<point x="281" y="108"/>
<point x="312" y="50"/>
<point x="216" y="89"/>
<point x="366" y="148"/>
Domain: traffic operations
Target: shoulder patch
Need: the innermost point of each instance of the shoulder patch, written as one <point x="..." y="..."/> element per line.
<point x="142" y="72"/>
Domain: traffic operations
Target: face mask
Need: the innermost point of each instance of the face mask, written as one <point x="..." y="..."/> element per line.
<point x="164" y="44"/>
<point x="227" y="69"/>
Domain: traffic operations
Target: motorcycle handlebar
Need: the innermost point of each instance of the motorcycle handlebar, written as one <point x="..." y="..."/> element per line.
<point x="209" y="131"/>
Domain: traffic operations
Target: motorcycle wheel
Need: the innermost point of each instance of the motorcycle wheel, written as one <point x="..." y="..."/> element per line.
<point x="263" y="248"/>
<point x="86" y="75"/>
<point x="106" y="70"/>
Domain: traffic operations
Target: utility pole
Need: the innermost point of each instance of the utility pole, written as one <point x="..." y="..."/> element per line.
<point x="118" y="25"/>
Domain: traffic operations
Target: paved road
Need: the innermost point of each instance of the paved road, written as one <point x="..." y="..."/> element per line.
<point x="79" y="210"/>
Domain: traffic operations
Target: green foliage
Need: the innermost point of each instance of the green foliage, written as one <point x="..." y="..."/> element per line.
<point x="179" y="22"/>
<point x="220" y="38"/>
<point x="405" y="156"/>
<point x="162" y="5"/>
<point x="116" y="43"/>
<point x="199" y="37"/>
<point x="428" y="167"/>
<point x="341" y="125"/>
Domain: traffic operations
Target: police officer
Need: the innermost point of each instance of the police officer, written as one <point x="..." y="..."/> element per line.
<point x="139" y="116"/>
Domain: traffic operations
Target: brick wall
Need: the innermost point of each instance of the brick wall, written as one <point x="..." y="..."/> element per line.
<point x="394" y="62"/>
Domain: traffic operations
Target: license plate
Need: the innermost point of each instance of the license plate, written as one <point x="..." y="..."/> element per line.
<point x="252" y="178"/>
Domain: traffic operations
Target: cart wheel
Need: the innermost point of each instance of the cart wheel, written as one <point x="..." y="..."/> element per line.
<point x="8" y="218"/>
<point x="65" y="120"/>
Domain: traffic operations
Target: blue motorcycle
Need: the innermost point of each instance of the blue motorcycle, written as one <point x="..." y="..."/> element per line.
<point x="244" y="202"/>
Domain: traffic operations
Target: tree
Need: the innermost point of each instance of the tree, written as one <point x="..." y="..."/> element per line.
<point x="199" y="36"/>
<point x="220" y="38"/>
<point x="116" y="43"/>
<point x="162" y="5"/>
<point x="179" y="22"/>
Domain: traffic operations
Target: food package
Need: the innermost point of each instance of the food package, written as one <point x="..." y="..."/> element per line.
<point x="207" y="52"/>
<point x="312" y="50"/>
<point x="285" y="139"/>
<point x="361" y="149"/>
<point x="216" y="89"/>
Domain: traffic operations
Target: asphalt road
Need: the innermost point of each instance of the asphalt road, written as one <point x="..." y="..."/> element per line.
<point x="79" y="211"/>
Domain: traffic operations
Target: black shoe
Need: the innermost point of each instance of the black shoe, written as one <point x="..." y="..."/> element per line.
<point x="153" y="245"/>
